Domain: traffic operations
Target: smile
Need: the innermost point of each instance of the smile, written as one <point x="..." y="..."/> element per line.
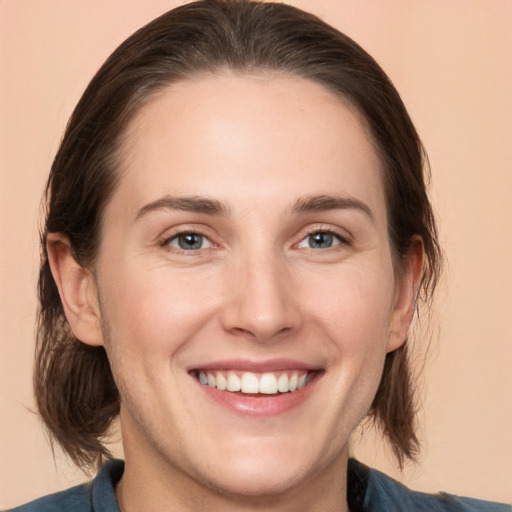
<point x="257" y="389"/>
<point x="268" y="383"/>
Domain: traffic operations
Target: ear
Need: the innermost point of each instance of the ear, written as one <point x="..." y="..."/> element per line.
<point x="405" y="295"/>
<point x="77" y="290"/>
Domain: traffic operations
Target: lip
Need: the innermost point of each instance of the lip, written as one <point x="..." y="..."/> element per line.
<point x="246" y="365"/>
<point x="258" y="406"/>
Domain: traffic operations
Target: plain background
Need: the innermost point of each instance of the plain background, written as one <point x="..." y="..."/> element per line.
<point x="451" y="60"/>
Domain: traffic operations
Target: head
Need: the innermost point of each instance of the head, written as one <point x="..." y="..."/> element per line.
<point x="250" y="49"/>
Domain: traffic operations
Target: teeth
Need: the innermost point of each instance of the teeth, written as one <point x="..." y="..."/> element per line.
<point x="294" y="380"/>
<point x="222" y="383"/>
<point x="267" y="383"/>
<point x="250" y="383"/>
<point x="211" y="380"/>
<point x="282" y="383"/>
<point x="233" y="382"/>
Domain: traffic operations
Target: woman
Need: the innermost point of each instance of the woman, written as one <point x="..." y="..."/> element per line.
<point x="237" y="238"/>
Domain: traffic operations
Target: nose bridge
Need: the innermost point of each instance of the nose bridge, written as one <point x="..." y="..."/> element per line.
<point x="261" y="303"/>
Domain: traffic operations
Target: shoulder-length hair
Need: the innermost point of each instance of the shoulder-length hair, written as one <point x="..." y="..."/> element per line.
<point x="75" y="391"/>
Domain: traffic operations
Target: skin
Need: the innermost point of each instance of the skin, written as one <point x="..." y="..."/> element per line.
<point x="255" y="290"/>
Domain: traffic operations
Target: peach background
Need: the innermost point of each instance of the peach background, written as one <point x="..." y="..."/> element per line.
<point x="452" y="63"/>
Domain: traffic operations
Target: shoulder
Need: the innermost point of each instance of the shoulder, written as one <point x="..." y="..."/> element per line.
<point x="95" y="496"/>
<point x="384" y="493"/>
<point x="77" y="499"/>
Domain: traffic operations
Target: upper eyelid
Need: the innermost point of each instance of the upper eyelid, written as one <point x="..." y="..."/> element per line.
<point x="341" y="241"/>
<point x="184" y="233"/>
<point x="165" y="244"/>
<point x="173" y="232"/>
<point x="171" y="239"/>
<point x="341" y="233"/>
<point x="165" y="241"/>
<point x="170" y="233"/>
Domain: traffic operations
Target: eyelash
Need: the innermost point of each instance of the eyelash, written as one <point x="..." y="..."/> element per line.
<point x="166" y="242"/>
<point x="340" y="240"/>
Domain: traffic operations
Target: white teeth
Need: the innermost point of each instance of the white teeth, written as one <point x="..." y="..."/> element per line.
<point x="266" y="383"/>
<point x="294" y="380"/>
<point x="221" y="381"/>
<point x="282" y="383"/>
<point x="250" y="383"/>
<point x="233" y="383"/>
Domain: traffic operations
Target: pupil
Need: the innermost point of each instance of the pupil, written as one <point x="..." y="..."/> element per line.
<point x="190" y="241"/>
<point x="320" y="240"/>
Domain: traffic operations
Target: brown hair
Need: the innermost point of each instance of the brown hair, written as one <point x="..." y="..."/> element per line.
<point x="75" y="391"/>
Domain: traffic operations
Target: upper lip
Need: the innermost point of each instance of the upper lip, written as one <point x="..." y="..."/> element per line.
<point x="248" y="365"/>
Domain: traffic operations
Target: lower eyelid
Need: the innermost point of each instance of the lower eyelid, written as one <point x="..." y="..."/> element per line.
<point x="166" y="241"/>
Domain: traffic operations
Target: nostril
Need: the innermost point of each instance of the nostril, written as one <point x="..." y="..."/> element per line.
<point x="261" y="334"/>
<point x="260" y="307"/>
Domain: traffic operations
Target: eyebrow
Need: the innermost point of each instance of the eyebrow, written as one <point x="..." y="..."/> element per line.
<point x="323" y="203"/>
<point x="188" y="204"/>
<point x="307" y="204"/>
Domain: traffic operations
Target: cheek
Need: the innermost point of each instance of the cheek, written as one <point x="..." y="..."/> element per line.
<point x="147" y="321"/>
<point x="355" y="304"/>
<point x="153" y="311"/>
<point x="354" y="311"/>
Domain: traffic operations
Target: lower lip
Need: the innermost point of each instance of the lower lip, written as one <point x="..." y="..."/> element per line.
<point x="263" y="406"/>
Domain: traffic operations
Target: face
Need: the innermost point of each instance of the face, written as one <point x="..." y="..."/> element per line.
<point x="245" y="281"/>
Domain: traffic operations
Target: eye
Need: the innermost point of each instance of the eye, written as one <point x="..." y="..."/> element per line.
<point x="189" y="242"/>
<point x="320" y="240"/>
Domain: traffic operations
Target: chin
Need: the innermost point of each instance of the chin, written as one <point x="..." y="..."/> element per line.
<point x="263" y="470"/>
<point x="257" y="480"/>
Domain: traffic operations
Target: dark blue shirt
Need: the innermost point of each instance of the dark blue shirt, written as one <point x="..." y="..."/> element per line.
<point x="368" y="490"/>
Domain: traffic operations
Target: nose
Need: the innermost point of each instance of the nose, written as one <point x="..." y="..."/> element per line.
<point x="261" y="304"/>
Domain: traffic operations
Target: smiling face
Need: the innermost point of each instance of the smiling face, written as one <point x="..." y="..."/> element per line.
<point x="246" y="248"/>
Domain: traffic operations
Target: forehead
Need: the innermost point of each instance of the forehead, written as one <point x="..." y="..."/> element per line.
<point x="247" y="137"/>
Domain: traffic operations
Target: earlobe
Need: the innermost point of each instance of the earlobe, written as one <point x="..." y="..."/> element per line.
<point x="406" y="295"/>
<point x="77" y="290"/>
